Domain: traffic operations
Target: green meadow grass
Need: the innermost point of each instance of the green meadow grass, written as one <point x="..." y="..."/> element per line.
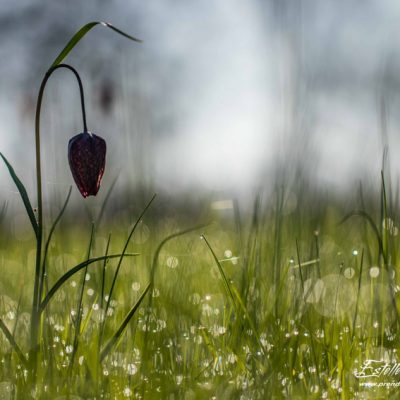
<point x="286" y="302"/>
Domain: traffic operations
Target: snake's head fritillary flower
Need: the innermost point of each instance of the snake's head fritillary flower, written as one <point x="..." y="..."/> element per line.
<point x="87" y="159"/>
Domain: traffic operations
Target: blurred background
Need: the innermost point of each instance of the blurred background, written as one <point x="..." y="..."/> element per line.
<point x="221" y="97"/>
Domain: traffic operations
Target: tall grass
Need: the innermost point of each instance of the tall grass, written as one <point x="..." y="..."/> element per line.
<point x="217" y="320"/>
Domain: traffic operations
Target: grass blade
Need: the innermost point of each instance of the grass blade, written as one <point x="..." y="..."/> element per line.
<point x="152" y="275"/>
<point x="13" y="343"/>
<point x="73" y="271"/>
<point x="161" y="245"/>
<point x="237" y="295"/>
<point x="80" y="308"/>
<point x="103" y="275"/>
<point x="221" y="271"/>
<point x="81" y="33"/>
<point x="123" y="325"/>
<point x="122" y="256"/>
<point x="23" y="194"/>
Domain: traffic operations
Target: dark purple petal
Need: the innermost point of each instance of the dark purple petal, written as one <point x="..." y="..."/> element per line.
<point x="87" y="159"/>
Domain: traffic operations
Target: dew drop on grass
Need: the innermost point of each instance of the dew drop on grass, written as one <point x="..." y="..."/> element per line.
<point x="387" y="223"/>
<point x="136" y="286"/>
<point x="172" y="262"/>
<point x="178" y="379"/>
<point x="113" y="303"/>
<point x="127" y="392"/>
<point x="69" y="349"/>
<point x="374" y="272"/>
<point x="58" y="327"/>
<point x="206" y="310"/>
<point x="87" y="277"/>
<point x="228" y="253"/>
<point x="314" y="389"/>
<point x="355" y="252"/>
<point x="110" y="312"/>
<point x="349" y="273"/>
<point x="131" y="369"/>
<point x="11" y="315"/>
<point x="161" y="324"/>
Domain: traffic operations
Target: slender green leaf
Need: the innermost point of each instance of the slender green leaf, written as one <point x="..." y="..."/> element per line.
<point x="122" y="256"/>
<point x="80" y="308"/>
<point x="23" y="194"/>
<point x="13" y="343"/>
<point x="103" y="275"/>
<point x="123" y="325"/>
<point x="232" y="293"/>
<point x="353" y="333"/>
<point x="81" y="33"/>
<point x="222" y="273"/>
<point x="73" y="271"/>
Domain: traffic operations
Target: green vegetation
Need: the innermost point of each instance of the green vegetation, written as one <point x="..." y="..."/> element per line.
<point x="286" y="303"/>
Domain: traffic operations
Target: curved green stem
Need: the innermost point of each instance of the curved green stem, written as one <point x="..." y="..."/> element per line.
<point x="35" y="316"/>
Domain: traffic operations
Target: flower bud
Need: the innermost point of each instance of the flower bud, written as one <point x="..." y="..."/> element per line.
<point x="87" y="158"/>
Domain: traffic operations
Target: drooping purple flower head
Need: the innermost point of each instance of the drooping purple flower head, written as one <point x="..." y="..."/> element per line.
<point x="87" y="159"/>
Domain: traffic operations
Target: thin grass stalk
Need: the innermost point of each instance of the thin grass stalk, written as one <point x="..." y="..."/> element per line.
<point x="80" y="308"/>
<point x="13" y="343"/>
<point x="120" y="263"/>
<point x="152" y="278"/>
<point x="114" y="339"/>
